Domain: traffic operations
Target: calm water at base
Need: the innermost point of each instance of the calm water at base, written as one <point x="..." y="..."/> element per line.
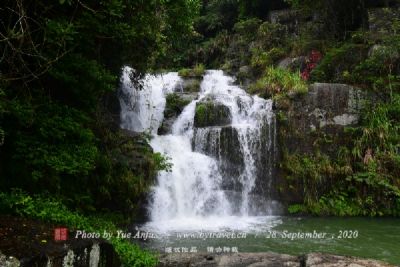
<point x="362" y="237"/>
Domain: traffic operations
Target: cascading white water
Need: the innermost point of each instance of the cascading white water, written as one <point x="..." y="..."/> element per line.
<point x="195" y="194"/>
<point x="143" y="110"/>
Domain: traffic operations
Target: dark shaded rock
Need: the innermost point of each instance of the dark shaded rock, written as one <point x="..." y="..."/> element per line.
<point x="209" y="113"/>
<point x="223" y="144"/>
<point x="291" y="18"/>
<point x="381" y="3"/>
<point x="111" y="109"/>
<point x="188" y="85"/>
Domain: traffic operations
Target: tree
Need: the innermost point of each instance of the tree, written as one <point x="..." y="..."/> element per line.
<point x="338" y="16"/>
<point x="59" y="58"/>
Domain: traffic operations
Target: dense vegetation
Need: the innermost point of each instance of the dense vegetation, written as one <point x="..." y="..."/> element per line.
<point x="59" y="131"/>
<point x="60" y="69"/>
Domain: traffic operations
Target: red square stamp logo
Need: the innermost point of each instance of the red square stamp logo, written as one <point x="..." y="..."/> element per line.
<point x="60" y="234"/>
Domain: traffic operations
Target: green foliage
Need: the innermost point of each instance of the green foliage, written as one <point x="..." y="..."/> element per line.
<point x="196" y="72"/>
<point x="202" y="111"/>
<point x="193" y="86"/>
<point x="277" y="81"/>
<point x="60" y="63"/>
<point x="162" y="162"/>
<point x="49" y="145"/>
<point x="259" y="8"/>
<point x="380" y="129"/>
<point x="261" y="60"/>
<point x="337" y="62"/>
<point x="296" y="208"/>
<point x="381" y="70"/>
<point x="339" y="17"/>
<point x="51" y="210"/>
<point x="216" y="16"/>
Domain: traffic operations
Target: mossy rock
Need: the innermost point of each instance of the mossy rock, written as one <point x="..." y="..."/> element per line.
<point x="191" y="85"/>
<point x="175" y="104"/>
<point x="211" y="114"/>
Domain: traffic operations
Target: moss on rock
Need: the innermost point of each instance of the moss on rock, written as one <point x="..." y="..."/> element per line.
<point x="211" y="114"/>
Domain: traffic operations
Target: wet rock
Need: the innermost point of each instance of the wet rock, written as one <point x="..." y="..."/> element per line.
<point x="211" y="113"/>
<point x="231" y="159"/>
<point x="188" y="85"/>
<point x="266" y="259"/>
<point x="223" y="144"/>
<point x="326" y="260"/>
<point x="231" y="259"/>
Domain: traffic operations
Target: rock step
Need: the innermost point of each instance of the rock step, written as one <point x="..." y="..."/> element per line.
<point x="267" y="259"/>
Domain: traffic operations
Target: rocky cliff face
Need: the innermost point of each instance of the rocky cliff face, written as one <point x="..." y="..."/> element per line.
<point x="326" y="110"/>
<point x="316" y="122"/>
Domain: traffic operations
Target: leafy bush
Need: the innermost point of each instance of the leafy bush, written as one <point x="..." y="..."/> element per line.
<point x="197" y="71"/>
<point x="279" y="81"/>
<point x="337" y="62"/>
<point x="381" y="70"/>
<point x="261" y="60"/>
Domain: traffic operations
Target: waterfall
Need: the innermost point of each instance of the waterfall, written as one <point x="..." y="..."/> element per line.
<point x="221" y="174"/>
<point x="142" y="110"/>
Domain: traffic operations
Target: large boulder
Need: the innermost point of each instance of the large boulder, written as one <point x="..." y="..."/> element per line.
<point x="211" y="113"/>
<point x="326" y="109"/>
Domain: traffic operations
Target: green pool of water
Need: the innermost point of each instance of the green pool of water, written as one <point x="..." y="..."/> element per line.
<point x="376" y="238"/>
